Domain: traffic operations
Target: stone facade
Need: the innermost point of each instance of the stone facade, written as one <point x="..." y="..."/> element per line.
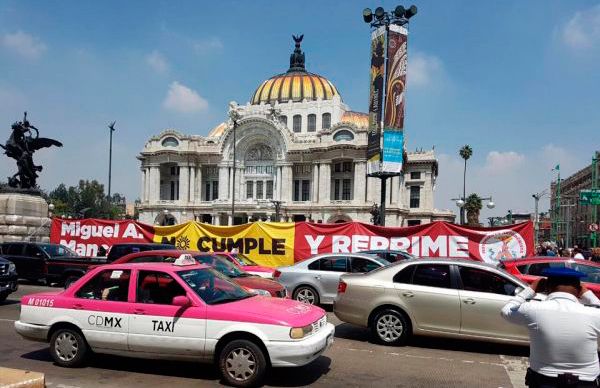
<point x="299" y="151"/>
<point x="23" y="217"/>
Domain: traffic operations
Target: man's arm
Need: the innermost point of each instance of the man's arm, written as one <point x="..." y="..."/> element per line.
<point x="588" y="297"/>
<point x="517" y="310"/>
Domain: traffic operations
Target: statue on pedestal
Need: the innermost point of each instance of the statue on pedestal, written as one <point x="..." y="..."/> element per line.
<point x="21" y="145"/>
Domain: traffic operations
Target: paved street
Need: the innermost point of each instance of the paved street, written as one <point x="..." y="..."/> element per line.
<point x="353" y="361"/>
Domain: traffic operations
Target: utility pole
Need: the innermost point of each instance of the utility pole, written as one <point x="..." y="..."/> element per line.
<point x="593" y="234"/>
<point x="536" y="219"/>
<point x="234" y="115"/>
<point x="111" y="127"/>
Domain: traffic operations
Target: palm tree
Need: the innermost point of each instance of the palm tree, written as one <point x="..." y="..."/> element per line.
<point x="473" y="206"/>
<point x="465" y="152"/>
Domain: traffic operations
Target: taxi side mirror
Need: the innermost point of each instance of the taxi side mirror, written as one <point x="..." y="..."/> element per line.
<point x="181" y="300"/>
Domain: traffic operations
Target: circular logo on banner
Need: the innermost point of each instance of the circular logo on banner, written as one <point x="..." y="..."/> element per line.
<point x="502" y="245"/>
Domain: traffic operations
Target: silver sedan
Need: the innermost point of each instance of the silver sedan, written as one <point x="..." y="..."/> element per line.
<point x="434" y="297"/>
<point x="315" y="280"/>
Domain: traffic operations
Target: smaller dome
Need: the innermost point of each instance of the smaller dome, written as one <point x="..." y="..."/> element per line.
<point x="218" y="130"/>
<point x="361" y="120"/>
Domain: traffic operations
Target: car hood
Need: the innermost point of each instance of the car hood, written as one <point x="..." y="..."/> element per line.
<point x="258" y="283"/>
<point x="274" y="311"/>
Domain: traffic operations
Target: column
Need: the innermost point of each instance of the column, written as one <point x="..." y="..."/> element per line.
<point x="374" y="190"/>
<point x="223" y="183"/>
<point x="279" y="183"/>
<point x="184" y="184"/>
<point x="154" y="185"/>
<point x="229" y="219"/>
<point x="360" y="178"/>
<point x="198" y="195"/>
<point x="286" y="183"/>
<point x="143" y="188"/>
<point x="215" y="219"/>
<point x="192" y="184"/>
<point x="315" y="183"/>
<point x="325" y="182"/>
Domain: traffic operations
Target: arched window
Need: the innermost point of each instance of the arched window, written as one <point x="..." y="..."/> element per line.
<point x="170" y="142"/>
<point x="312" y="123"/>
<point x="343" y="135"/>
<point x="297" y="123"/>
<point x="326" y="124"/>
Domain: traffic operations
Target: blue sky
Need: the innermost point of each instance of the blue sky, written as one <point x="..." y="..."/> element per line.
<point x="518" y="81"/>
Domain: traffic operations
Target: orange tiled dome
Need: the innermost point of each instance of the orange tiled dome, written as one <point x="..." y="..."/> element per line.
<point x="294" y="86"/>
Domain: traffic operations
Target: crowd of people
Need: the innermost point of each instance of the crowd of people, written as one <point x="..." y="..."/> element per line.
<point x="550" y="249"/>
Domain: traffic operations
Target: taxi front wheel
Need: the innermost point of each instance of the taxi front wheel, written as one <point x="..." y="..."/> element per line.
<point x="242" y="364"/>
<point x="68" y="347"/>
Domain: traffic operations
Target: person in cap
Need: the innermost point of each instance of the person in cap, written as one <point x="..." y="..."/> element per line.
<point x="563" y="330"/>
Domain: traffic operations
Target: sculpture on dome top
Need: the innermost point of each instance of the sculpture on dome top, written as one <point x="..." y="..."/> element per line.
<point x="297" y="57"/>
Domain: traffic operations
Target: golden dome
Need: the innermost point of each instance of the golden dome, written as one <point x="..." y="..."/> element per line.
<point x="361" y="120"/>
<point x="294" y="86"/>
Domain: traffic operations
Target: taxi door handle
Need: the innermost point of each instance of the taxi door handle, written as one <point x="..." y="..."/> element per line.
<point x="139" y="312"/>
<point x="469" y="301"/>
<point x="408" y="294"/>
<point x="78" y="306"/>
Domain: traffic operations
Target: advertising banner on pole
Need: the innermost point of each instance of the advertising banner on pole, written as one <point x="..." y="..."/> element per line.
<point x="393" y="120"/>
<point x="283" y="243"/>
<point x="376" y="100"/>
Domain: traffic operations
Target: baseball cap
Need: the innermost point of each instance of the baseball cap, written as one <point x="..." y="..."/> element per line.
<point x="562" y="272"/>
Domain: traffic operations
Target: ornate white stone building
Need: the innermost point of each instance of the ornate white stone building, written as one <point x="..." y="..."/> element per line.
<point x="300" y="152"/>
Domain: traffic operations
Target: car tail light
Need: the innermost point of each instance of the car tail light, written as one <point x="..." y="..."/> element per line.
<point x="276" y="274"/>
<point x="342" y="287"/>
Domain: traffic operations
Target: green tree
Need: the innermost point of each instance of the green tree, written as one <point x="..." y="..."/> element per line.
<point x="473" y="206"/>
<point x="465" y="152"/>
<point x="86" y="200"/>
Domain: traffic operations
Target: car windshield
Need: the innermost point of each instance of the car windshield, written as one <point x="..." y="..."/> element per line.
<point x="56" y="250"/>
<point x="592" y="274"/>
<point x="244" y="259"/>
<point x="221" y="265"/>
<point x="212" y="287"/>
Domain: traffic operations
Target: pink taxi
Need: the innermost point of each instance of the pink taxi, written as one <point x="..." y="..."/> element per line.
<point x="246" y="264"/>
<point x="181" y="311"/>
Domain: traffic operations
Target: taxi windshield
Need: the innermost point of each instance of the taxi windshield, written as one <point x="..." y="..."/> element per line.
<point x="221" y="265"/>
<point x="245" y="260"/>
<point x="213" y="287"/>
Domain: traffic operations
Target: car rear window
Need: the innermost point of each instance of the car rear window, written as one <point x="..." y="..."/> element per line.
<point x="536" y="269"/>
<point x="432" y="275"/>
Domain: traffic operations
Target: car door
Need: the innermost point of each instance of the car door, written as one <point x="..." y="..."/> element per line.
<point x="156" y="325"/>
<point x="482" y="296"/>
<point x="101" y="307"/>
<point x="35" y="258"/>
<point x="14" y="253"/>
<point x="429" y="294"/>
<point x="327" y="277"/>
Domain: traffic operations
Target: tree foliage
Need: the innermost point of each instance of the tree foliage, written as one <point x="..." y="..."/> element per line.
<point x="473" y="206"/>
<point x="86" y="200"/>
<point x="466" y="152"/>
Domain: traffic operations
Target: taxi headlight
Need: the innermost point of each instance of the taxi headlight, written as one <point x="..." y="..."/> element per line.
<point x="12" y="267"/>
<point x="300" y="332"/>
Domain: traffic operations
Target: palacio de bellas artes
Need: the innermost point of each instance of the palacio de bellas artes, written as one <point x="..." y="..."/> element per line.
<point x="299" y="156"/>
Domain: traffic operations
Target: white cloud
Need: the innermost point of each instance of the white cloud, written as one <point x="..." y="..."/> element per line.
<point x="27" y="46"/>
<point x="508" y="176"/>
<point x="582" y="31"/>
<point x="208" y="45"/>
<point x="182" y="99"/>
<point x="157" y="62"/>
<point x="423" y="69"/>
<point x="503" y="162"/>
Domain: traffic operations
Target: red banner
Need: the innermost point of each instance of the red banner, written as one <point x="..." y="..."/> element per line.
<point x="87" y="236"/>
<point x="437" y="239"/>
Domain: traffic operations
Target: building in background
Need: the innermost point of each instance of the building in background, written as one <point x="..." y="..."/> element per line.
<point x="300" y="155"/>
<point x="572" y="219"/>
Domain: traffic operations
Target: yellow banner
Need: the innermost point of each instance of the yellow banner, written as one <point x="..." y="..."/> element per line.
<point x="266" y="243"/>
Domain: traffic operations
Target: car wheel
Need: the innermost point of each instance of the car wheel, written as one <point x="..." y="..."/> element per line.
<point x="306" y="294"/>
<point x="389" y="327"/>
<point x="70" y="280"/>
<point x="68" y="347"/>
<point x="242" y="364"/>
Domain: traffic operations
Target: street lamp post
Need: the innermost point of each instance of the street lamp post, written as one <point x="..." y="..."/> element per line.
<point x="381" y="18"/>
<point x="111" y="127"/>
<point x="536" y="219"/>
<point x="234" y="115"/>
<point x="277" y="205"/>
<point x="461" y="202"/>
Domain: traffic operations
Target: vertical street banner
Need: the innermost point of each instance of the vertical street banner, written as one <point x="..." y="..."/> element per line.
<point x="393" y="121"/>
<point x="376" y="100"/>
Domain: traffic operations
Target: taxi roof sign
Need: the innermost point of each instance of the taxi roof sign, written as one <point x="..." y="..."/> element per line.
<point x="185" y="259"/>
